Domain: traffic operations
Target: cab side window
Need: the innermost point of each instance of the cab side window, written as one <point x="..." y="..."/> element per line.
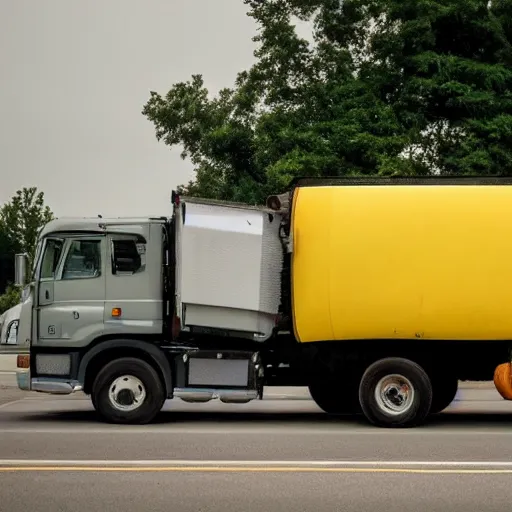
<point x="83" y="260"/>
<point x="128" y="257"/>
<point x="51" y="257"/>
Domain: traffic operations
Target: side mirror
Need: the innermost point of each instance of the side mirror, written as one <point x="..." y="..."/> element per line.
<point x="20" y="269"/>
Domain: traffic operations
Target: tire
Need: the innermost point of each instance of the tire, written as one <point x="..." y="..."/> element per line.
<point x="122" y="380"/>
<point x="381" y="411"/>
<point x="336" y="396"/>
<point x="444" y="391"/>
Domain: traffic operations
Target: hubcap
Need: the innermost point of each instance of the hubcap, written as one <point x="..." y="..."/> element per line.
<point x="394" y="394"/>
<point x="127" y="393"/>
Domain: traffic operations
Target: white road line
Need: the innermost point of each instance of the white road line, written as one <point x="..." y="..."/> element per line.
<point x="186" y="431"/>
<point x="7" y="404"/>
<point x="256" y="463"/>
<point x="283" y="430"/>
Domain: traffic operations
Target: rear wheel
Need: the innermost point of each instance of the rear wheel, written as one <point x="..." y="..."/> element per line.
<point x="395" y="392"/>
<point x="444" y="390"/>
<point x="336" y="396"/>
<point x="128" y="390"/>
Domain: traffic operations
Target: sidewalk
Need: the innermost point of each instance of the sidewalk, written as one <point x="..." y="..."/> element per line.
<point x="8" y="362"/>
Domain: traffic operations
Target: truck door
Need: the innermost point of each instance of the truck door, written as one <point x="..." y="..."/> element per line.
<point x="71" y="290"/>
<point x="134" y="287"/>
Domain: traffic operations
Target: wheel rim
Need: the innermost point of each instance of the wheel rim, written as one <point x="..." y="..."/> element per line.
<point x="394" y="394"/>
<point x="127" y="393"/>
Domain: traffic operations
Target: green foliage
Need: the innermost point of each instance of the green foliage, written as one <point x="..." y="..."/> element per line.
<point x="385" y="87"/>
<point x="10" y="298"/>
<point x="22" y="218"/>
<point x="20" y="222"/>
<point x="7" y="252"/>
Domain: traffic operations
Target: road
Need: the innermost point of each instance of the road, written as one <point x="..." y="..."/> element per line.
<point x="276" y="454"/>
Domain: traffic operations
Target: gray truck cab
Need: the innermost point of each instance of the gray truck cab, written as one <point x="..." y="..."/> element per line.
<point x="93" y="280"/>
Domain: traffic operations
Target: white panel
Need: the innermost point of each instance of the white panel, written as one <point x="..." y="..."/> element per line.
<point x="230" y="258"/>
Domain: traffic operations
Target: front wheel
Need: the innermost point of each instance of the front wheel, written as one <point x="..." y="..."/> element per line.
<point x="128" y="391"/>
<point x="395" y="392"/>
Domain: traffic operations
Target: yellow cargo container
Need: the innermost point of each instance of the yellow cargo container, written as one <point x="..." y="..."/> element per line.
<point x="402" y="262"/>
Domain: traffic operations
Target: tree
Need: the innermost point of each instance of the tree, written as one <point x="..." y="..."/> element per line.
<point x="22" y="218"/>
<point x="446" y="66"/>
<point x="7" y="251"/>
<point x="384" y="87"/>
<point x="11" y="294"/>
<point x="10" y="298"/>
<point x="20" y="222"/>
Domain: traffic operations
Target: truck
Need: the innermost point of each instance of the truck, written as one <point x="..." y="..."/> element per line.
<point x="378" y="294"/>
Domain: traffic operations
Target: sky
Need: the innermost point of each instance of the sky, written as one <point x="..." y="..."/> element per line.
<point x="74" y="78"/>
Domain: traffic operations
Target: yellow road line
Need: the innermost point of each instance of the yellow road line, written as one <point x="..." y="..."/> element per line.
<point x="242" y="469"/>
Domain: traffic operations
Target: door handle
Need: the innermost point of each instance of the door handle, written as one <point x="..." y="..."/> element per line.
<point x="47" y="295"/>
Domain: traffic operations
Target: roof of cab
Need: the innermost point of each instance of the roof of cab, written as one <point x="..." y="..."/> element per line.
<point x="95" y="224"/>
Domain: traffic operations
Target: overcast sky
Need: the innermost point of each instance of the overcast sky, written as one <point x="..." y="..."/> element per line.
<point x="74" y="78"/>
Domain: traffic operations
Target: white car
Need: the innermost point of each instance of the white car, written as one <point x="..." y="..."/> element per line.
<point x="9" y="326"/>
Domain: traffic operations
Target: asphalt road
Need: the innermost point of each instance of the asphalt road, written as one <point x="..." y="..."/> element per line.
<point x="281" y="453"/>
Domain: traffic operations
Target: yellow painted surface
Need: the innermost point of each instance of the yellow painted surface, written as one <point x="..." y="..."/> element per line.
<point x="401" y="262"/>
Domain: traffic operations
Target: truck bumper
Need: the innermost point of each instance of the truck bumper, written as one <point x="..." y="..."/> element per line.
<point x="50" y="385"/>
<point x="47" y="385"/>
<point x="23" y="379"/>
<point x="55" y="386"/>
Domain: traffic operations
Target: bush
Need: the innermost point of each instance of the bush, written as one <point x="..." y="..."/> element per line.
<point x="10" y="298"/>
